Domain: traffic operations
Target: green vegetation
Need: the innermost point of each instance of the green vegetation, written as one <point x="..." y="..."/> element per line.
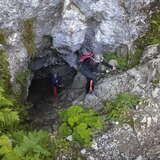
<point x="2" y="37"/>
<point x="25" y="146"/>
<point x="80" y="123"/>
<point x="4" y="71"/>
<point x="8" y="117"/>
<point x="120" y="109"/>
<point x="152" y="36"/>
<point x="61" y="147"/>
<point x="28" y="36"/>
<point x="21" y="78"/>
<point x="122" y="62"/>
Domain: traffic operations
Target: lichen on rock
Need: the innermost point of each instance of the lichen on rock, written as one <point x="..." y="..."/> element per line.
<point x="28" y="36"/>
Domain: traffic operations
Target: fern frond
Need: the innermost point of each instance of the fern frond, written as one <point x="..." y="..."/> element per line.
<point x="8" y="118"/>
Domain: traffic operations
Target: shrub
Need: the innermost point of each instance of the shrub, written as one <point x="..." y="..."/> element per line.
<point x="120" y="108"/>
<point x="22" y="146"/>
<point x="80" y="123"/>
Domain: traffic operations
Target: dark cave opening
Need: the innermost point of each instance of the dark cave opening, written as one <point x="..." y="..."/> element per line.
<point x="44" y="110"/>
<point x="41" y="88"/>
<point x="44" y="107"/>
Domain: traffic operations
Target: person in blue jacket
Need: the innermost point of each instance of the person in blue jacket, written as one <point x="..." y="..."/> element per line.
<point x="56" y="80"/>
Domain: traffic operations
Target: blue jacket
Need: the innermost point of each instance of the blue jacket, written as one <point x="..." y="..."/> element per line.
<point x="56" y="81"/>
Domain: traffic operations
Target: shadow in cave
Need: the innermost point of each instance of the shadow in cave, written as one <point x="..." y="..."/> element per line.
<point x="40" y="90"/>
<point x="44" y="107"/>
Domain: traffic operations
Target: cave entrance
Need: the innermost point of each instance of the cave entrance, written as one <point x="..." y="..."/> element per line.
<point x="41" y="88"/>
<point x="44" y="110"/>
<point x="44" y="107"/>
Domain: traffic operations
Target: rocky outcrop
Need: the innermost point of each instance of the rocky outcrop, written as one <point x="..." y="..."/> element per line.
<point x="141" y="140"/>
<point x="95" y="25"/>
<point x="138" y="142"/>
<point x="137" y="80"/>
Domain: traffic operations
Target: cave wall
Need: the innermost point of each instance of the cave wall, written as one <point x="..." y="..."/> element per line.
<point x="97" y="25"/>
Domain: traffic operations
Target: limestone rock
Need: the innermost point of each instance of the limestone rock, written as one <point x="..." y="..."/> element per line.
<point x="95" y="25"/>
<point x="150" y="52"/>
<point x="122" y="51"/>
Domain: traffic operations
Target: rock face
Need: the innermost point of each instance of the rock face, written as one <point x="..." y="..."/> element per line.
<point x="140" y="141"/>
<point x="95" y="25"/>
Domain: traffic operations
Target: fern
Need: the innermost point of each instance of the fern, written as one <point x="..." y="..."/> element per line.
<point x="8" y="117"/>
<point x="31" y="146"/>
<point x="34" y="143"/>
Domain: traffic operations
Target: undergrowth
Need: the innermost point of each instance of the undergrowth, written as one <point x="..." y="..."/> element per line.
<point x="120" y="109"/>
<point x="4" y="70"/>
<point x="8" y="117"/>
<point x="80" y="123"/>
<point x="25" y="146"/>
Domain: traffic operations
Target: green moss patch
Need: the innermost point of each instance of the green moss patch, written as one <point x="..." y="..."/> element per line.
<point x="28" y="36"/>
<point x="2" y="37"/>
<point x="21" y="78"/>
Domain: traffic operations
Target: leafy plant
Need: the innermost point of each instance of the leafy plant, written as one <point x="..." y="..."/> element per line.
<point x="22" y="146"/>
<point x="80" y="123"/>
<point x="120" y="109"/>
<point x="8" y="117"/>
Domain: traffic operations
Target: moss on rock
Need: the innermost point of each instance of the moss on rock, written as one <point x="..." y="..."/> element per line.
<point x="4" y="70"/>
<point x="21" y="78"/>
<point x="28" y="36"/>
<point x="122" y="61"/>
<point x="152" y="36"/>
<point x="2" y="37"/>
